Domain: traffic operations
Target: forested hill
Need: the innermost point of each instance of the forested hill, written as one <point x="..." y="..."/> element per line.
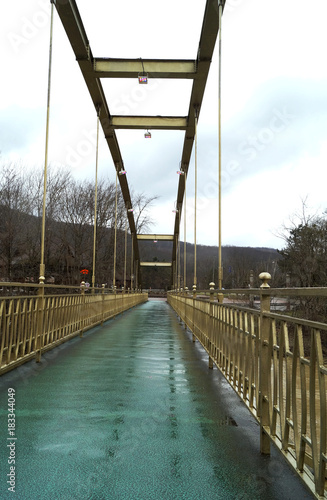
<point x="69" y="233"/>
<point x="69" y="249"/>
<point x="237" y="264"/>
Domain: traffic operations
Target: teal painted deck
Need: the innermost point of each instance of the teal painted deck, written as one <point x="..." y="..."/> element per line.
<point x="132" y="412"/>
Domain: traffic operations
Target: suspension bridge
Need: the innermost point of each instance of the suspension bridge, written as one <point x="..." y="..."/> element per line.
<point x="107" y="395"/>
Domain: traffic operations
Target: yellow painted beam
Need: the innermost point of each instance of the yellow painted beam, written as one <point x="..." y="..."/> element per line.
<point x="149" y="122"/>
<point x="161" y="237"/>
<point x="155" y="264"/>
<point x="155" y="68"/>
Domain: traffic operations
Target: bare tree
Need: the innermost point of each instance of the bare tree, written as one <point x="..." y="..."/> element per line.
<point x="304" y="257"/>
<point x="14" y="204"/>
<point x="69" y="224"/>
<point x="303" y="216"/>
<point x="141" y="205"/>
<point x="57" y="181"/>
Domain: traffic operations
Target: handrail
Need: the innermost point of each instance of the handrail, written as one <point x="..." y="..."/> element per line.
<point x="274" y="362"/>
<point x="10" y="289"/>
<point x="33" y="324"/>
<point x="285" y="292"/>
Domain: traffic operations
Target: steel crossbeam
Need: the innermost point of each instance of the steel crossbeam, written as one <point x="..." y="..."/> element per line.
<point x="155" y="68"/>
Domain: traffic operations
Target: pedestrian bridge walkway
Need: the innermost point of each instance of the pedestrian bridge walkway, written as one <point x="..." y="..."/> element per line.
<point x="132" y="412"/>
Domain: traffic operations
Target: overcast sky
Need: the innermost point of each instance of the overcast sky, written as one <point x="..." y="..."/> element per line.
<point x="274" y="107"/>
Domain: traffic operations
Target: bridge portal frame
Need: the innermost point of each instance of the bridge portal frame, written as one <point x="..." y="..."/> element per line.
<point x="95" y="68"/>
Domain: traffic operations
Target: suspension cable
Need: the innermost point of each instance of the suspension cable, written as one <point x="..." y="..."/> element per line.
<point x="179" y="249"/>
<point x="95" y="202"/>
<point x="125" y="254"/>
<point x="115" y="243"/>
<point x="195" y="186"/>
<point x="220" y="271"/>
<point x="42" y="265"/>
<point x="185" y="231"/>
<point x="176" y="263"/>
<point x="132" y="256"/>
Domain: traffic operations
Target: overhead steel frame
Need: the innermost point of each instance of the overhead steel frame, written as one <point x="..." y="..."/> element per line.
<point x="95" y="68"/>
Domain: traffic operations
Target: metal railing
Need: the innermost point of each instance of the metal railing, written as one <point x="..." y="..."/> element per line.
<point x="33" y="324"/>
<point x="275" y="363"/>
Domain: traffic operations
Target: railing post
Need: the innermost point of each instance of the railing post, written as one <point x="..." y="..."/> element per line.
<point x="251" y="298"/>
<point x="40" y="319"/>
<point x="211" y="322"/>
<point x="288" y="285"/>
<point x="264" y="363"/>
<point x="185" y="306"/>
<point x="102" y="293"/>
<point x="193" y="312"/>
<point x="115" y="300"/>
<point x="122" y="299"/>
<point x="83" y="307"/>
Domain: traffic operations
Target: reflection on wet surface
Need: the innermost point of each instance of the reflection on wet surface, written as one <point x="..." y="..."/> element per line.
<point x="131" y="412"/>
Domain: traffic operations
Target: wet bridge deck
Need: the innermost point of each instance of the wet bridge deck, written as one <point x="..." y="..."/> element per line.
<point x="132" y="412"/>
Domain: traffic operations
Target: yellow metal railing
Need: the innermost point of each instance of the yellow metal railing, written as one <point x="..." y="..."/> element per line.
<point x="33" y="324"/>
<point x="275" y="364"/>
